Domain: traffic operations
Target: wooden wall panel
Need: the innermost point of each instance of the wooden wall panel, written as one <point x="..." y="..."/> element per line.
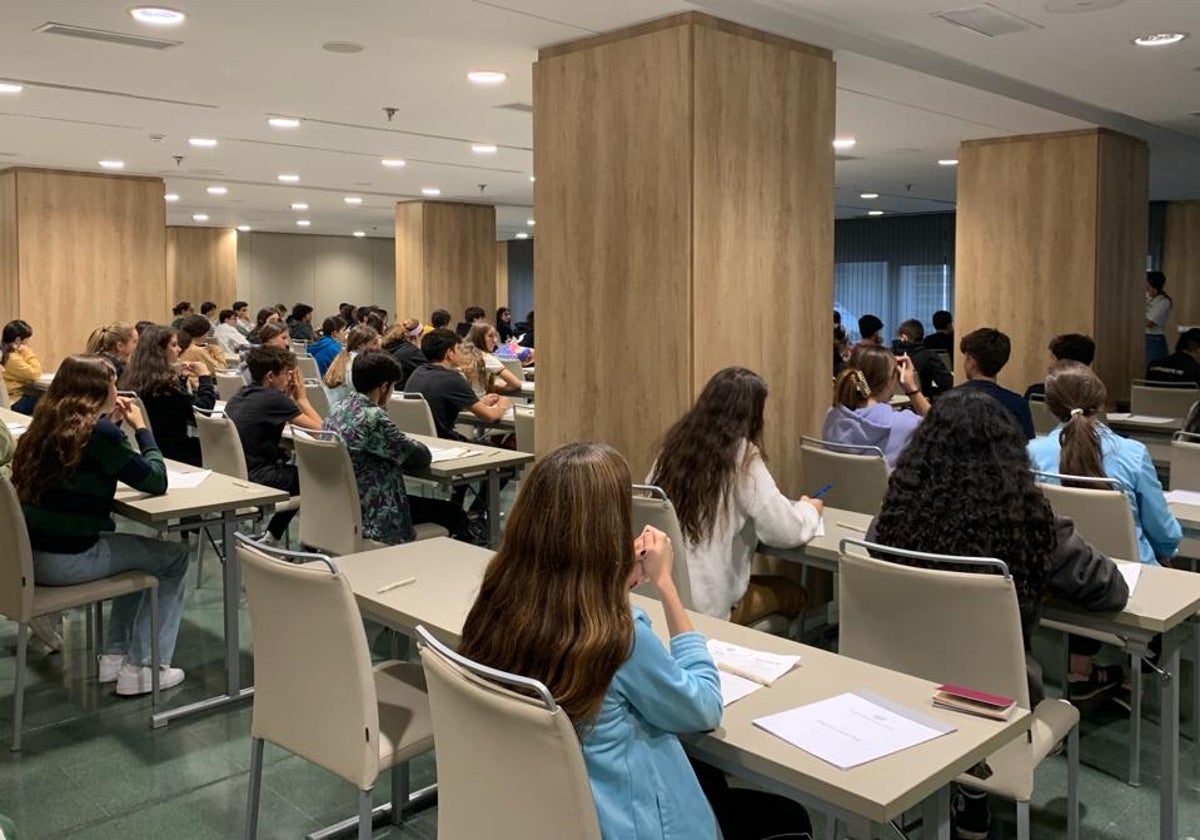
<point x="91" y="248"/>
<point x="9" y="273"/>
<point x="410" y="259"/>
<point x="763" y="228"/>
<point x="202" y="265"/>
<point x="501" y="275"/>
<point x="1181" y="262"/>
<point x="445" y="256"/>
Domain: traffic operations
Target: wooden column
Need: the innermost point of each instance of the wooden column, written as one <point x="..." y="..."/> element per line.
<point x="78" y="249"/>
<point x="1052" y="232"/>
<point x="501" y="274"/>
<point x="684" y="200"/>
<point x="1181" y="264"/>
<point x="202" y="265"/>
<point x="445" y="257"/>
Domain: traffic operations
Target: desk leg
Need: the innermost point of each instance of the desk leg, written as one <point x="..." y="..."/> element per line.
<point x="1169" y="790"/>
<point x="493" y="500"/>
<point x="935" y="815"/>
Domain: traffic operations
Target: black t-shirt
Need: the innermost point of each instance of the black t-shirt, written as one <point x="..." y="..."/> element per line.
<point x="1010" y="400"/>
<point x="447" y="393"/>
<point x="1178" y="367"/>
<point x="410" y="358"/>
<point x="940" y="341"/>
<point x="260" y="414"/>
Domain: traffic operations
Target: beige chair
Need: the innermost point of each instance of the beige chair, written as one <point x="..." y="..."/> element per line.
<point x="1044" y="420"/>
<point x="300" y="348"/>
<point x="5" y="401"/>
<point x="1162" y="399"/>
<point x="524" y="423"/>
<point x="508" y="758"/>
<point x="652" y="507"/>
<point x="411" y="413"/>
<point x="514" y="367"/>
<point x="315" y="692"/>
<point x="859" y="474"/>
<point x="331" y="518"/>
<point x="912" y="620"/>
<point x="21" y="600"/>
<point x="228" y="384"/>
<point x="318" y="397"/>
<point x="308" y="366"/>
<point x="1185" y="461"/>
<point x="130" y="432"/>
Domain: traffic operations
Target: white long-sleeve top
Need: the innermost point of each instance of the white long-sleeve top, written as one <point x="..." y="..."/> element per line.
<point x="719" y="568"/>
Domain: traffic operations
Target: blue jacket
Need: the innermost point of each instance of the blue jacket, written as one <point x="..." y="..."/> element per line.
<point x="641" y="781"/>
<point x="1128" y="461"/>
<point x="324" y="351"/>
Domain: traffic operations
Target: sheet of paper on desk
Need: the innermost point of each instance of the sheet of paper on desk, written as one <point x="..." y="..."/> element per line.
<point x="1181" y="497"/>
<point x="15" y="427"/>
<point x="1141" y="418"/>
<point x="189" y="480"/>
<point x="1132" y="572"/>
<point x="450" y="453"/>
<point x="734" y="688"/>
<point x="853" y="728"/>
<point x="755" y="665"/>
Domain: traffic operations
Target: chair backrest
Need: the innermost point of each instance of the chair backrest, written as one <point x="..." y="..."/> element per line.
<point x="300" y="348"/>
<point x="220" y="446"/>
<point x="330" y="512"/>
<point x="514" y="367"/>
<point x="1185" y="461"/>
<point x="5" y="400"/>
<point x="1101" y="511"/>
<point x="652" y="507"/>
<point x="308" y="366"/>
<point x="317" y="396"/>
<point x="130" y="432"/>
<point x="314" y="690"/>
<point x="859" y="474"/>
<point x="912" y="619"/>
<point x="228" y="384"/>
<point x="411" y="413"/>
<point x="508" y="764"/>
<point x="1044" y="420"/>
<point x="524" y="424"/>
<point x="16" y="557"/>
<point x="1162" y="399"/>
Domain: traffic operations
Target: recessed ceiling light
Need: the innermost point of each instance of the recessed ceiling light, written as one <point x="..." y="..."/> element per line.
<point x="869" y="196"/>
<point x="112" y="164"/>
<point x="283" y="122"/>
<point x="430" y="191"/>
<point x="202" y="142"/>
<point x="288" y="179"/>
<point x="299" y="205"/>
<point x="170" y="197"/>
<point x="948" y="162"/>
<point x="874" y="212"/>
<point x="394" y="163"/>
<point x="483" y="148"/>
<point x="486" y="77"/>
<point x="216" y="190"/>
<point x="303" y="222"/>
<point x="845" y="143"/>
<point x="1160" y="39"/>
<point x="353" y="199"/>
<point x="532" y="179"/>
<point x="157" y="15"/>
<point x="199" y="217"/>
<point x="10" y="87"/>
<point x="530" y="222"/>
<point x="245" y="228"/>
<point x="522" y="235"/>
<point x="360" y="233"/>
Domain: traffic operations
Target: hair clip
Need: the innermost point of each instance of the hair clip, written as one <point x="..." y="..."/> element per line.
<point x="860" y="383"/>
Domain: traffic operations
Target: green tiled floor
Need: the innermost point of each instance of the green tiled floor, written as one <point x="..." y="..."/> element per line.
<point x="91" y="766"/>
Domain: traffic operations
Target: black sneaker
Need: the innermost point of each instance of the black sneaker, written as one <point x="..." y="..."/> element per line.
<point x="1103" y="678"/>
<point x="970" y="814"/>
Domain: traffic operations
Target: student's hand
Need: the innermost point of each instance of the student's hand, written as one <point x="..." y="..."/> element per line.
<point x="657" y="555"/>
<point x="297" y="383"/>
<point x="816" y="503"/>
<point x="504" y="402"/>
<point x="490" y="399"/>
<point x="129" y="411"/>
<point x="194" y="368"/>
<point x="908" y="376"/>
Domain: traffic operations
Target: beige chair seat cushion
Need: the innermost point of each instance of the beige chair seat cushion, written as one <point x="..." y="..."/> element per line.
<point x="405" y="725"/>
<point x="1012" y="775"/>
<point x="49" y="599"/>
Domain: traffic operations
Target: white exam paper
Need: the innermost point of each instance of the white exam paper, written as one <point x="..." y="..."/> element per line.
<point x="734" y="688"/>
<point x="852" y="729"/>
<point x="1132" y="572"/>
<point x="755" y="665"/>
<point x="450" y="453"/>
<point x="1141" y="418"/>
<point x="180" y="480"/>
<point x="1183" y="497"/>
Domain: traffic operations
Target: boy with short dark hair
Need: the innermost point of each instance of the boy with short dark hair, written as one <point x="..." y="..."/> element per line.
<point x="985" y="353"/>
<point x="934" y="376"/>
<point x="446" y="390"/>
<point x="1071" y="347"/>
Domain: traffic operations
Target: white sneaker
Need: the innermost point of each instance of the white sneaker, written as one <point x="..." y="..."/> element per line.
<point x="132" y="680"/>
<point x="48" y="630"/>
<point x="110" y="665"/>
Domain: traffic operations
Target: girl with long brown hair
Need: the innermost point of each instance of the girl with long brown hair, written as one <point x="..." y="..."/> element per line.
<point x="337" y="378"/>
<point x="65" y="472"/>
<point x="478" y="362"/>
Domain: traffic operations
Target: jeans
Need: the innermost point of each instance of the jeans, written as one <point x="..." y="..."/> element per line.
<point x="1156" y="348"/>
<point x="129" y="625"/>
<point x="26" y="404"/>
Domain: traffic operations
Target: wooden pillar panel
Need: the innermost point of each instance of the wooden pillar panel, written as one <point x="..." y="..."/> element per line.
<point x="1181" y="261"/>
<point x="202" y="265"/>
<point x="501" y="274"/>
<point x="445" y="257"/>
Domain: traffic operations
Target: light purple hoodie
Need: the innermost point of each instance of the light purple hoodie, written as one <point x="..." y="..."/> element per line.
<point x="875" y="425"/>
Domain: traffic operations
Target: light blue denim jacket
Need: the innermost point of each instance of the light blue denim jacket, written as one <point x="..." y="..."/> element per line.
<point x="1128" y="461"/>
<point x="641" y="781"/>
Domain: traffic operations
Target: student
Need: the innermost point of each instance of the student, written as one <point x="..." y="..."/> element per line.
<point x="526" y="339"/>
<point x="942" y="337"/>
<point x="21" y="365"/>
<point x="346" y="313"/>
<point x="142" y="326"/>
<point x="281" y="312"/>
<point x="1072" y="347"/>
<point x="227" y="335"/>
<point x="379" y="452"/>
<point x="115" y="342"/>
<point x="985" y="353"/>
<point x="360" y="315"/>
<point x="445" y="389"/>
<point x="1158" y="312"/>
<point x="870" y="330"/>
<point x="862" y="415"/>
<point x="1182" y="366"/>
<point x="841" y="344"/>
<point x="7" y="447"/>
<point x="180" y="310"/>
<point x="264" y="316"/>
<point x="933" y="375"/>
<point x="299" y="323"/>
<point x="209" y="310"/>
<point x="337" y="377"/>
<point x="65" y="472"/>
<point x="159" y="377"/>
<point x="325" y="349"/>
<point x="376" y="322"/>
<point x="1081" y="444"/>
<point x="472" y="316"/>
<point x="274" y="334"/>
<point x="963" y="487"/>
<point x="438" y="319"/>
<point x="403" y="341"/>
<point x="713" y="470"/>
<point x="260" y="411"/>
<point x="193" y="339"/>
<point x="242" y="310"/>
<point x="1191" y="423"/>
<point x="504" y="327"/>
<point x="478" y="362"/>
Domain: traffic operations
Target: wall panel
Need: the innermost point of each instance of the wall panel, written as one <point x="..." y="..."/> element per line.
<point x="202" y="265"/>
<point x="1181" y="261"/>
<point x="445" y="256"/>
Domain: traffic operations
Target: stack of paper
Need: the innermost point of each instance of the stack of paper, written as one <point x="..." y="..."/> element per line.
<point x="449" y="453"/>
<point x="1132" y="572"/>
<point x="1121" y="416"/>
<point x="744" y="671"/>
<point x="186" y="479"/>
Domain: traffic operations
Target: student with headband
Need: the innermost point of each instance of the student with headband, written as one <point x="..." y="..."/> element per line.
<point x="403" y="341"/>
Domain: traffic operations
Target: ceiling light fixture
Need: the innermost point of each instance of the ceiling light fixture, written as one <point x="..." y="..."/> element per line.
<point x="869" y="196"/>
<point x="394" y="163"/>
<point x="199" y="217"/>
<point x="10" y="87"/>
<point x="948" y="162"/>
<point x="842" y="143"/>
<point x="112" y="164"/>
<point x="157" y="15"/>
<point x="216" y="190"/>
<point x="283" y="122"/>
<point x="170" y="197"/>
<point x="483" y="148"/>
<point x="353" y="200"/>
<point x="532" y="179"/>
<point x="522" y="235"/>
<point x="303" y="222"/>
<point x="486" y="77"/>
<point x="430" y="191"/>
<point x="530" y="222"/>
<point x="245" y="228"/>
<point x="874" y="212"/>
<point x="299" y="205"/>
<point x="1160" y="39"/>
<point x="288" y="178"/>
<point x="360" y="233"/>
<point x="202" y="142"/>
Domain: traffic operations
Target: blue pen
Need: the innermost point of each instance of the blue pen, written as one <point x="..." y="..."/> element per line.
<point x="821" y="492"/>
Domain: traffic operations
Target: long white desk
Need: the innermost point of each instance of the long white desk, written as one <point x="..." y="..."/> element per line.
<point x="448" y="574"/>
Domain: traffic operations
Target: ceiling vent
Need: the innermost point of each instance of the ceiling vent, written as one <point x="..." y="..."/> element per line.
<point x="108" y="37"/>
<point x="988" y="20"/>
<point x="523" y="107"/>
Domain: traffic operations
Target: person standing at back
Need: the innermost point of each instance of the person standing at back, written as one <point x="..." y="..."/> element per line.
<point x="1070" y="347"/>
<point x="985" y="353"/>
<point x="942" y="337"/>
<point x="932" y="374"/>
<point x="870" y="331"/>
<point x="1158" y="312"/>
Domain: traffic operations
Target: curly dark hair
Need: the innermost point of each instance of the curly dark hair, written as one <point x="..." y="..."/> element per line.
<point x="963" y="486"/>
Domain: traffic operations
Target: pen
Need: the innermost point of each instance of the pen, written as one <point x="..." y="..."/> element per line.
<point x="822" y="491"/>
<point x="851" y="527"/>
<point x="390" y="586"/>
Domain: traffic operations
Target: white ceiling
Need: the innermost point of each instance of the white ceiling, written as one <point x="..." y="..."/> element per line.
<point x="908" y="89"/>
